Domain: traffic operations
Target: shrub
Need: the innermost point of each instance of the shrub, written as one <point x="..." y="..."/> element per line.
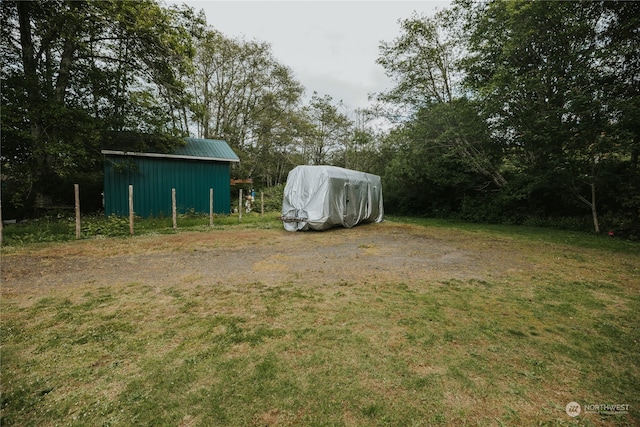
<point x="272" y="198"/>
<point x="99" y="225"/>
<point x="39" y="230"/>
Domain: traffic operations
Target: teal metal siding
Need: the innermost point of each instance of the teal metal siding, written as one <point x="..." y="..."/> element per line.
<point x="153" y="179"/>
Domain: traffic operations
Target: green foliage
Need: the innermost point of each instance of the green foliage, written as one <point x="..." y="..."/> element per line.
<point x="100" y="226"/>
<point x="421" y="61"/>
<point x="546" y="92"/>
<point x="46" y="229"/>
<point x="504" y="111"/>
<point x="61" y="227"/>
<point x="439" y="160"/>
<point x="73" y="74"/>
<point x="243" y="95"/>
<point x="273" y="198"/>
<point x="327" y="131"/>
<point x="543" y="129"/>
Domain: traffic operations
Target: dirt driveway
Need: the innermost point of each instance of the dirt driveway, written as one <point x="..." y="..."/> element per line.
<point x="373" y="253"/>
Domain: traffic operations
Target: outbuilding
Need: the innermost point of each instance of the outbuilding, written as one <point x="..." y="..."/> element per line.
<point x="191" y="169"/>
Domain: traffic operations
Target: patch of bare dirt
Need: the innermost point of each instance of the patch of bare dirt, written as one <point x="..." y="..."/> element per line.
<point x="373" y="253"/>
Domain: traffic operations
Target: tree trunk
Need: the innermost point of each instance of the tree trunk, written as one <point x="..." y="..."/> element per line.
<point x="30" y="66"/>
<point x="28" y="58"/>
<point x="64" y="72"/>
<point x="591" y="203"/>
<point x="594" y="210"/>
<point x="205" y="109"/>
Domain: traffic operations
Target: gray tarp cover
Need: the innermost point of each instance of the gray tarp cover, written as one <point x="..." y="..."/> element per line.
<point x="321" y="197"/>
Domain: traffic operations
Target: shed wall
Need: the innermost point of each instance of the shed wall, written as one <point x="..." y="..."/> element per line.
<point x="153" y="179"/>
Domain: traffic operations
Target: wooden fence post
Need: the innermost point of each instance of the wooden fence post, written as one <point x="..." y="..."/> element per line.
<point x="173" y="208"/>
<point x="131" y="210"/>
<point x="76" y="191"/>
<point x="211" y="207"/>
<point x="240" y="206"/>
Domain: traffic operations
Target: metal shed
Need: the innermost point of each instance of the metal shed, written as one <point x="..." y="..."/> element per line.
<point x="192" y="169"/>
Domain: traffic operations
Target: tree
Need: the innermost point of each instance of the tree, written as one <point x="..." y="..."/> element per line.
<point x="275" y="127"/>
<point x="539" y="71"/>
<point x="75" y="74"/>
<point x="443" y="131"/>
<point x="243" y="95"/>
<point x="327" y="131"/>
<point x="620" y="59"/>
<point x="444" y="156"/>
<point x="231" y="76"/>
<point x="421" y="61"/>
<point x="361" y="145"/>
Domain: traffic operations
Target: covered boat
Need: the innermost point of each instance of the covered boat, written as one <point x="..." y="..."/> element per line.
<point x="321" y="197"/>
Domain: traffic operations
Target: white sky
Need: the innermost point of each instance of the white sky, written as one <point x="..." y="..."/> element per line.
<point x="331" y="46"/>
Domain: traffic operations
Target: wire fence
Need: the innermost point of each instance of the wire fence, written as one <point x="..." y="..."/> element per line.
<point x="60" y="224"/>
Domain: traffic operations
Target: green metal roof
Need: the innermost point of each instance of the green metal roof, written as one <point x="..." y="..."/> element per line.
<point x="213" y="148"/>
<point x="194" y="149"/>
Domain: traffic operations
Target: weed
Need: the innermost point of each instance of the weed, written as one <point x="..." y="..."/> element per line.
<point x="62" y="229"/>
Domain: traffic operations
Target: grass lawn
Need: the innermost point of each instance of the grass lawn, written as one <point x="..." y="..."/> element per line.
<point x="504" y="350"/>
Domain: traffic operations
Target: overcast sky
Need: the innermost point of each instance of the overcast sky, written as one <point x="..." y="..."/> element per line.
<point x="331" y="46"/>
